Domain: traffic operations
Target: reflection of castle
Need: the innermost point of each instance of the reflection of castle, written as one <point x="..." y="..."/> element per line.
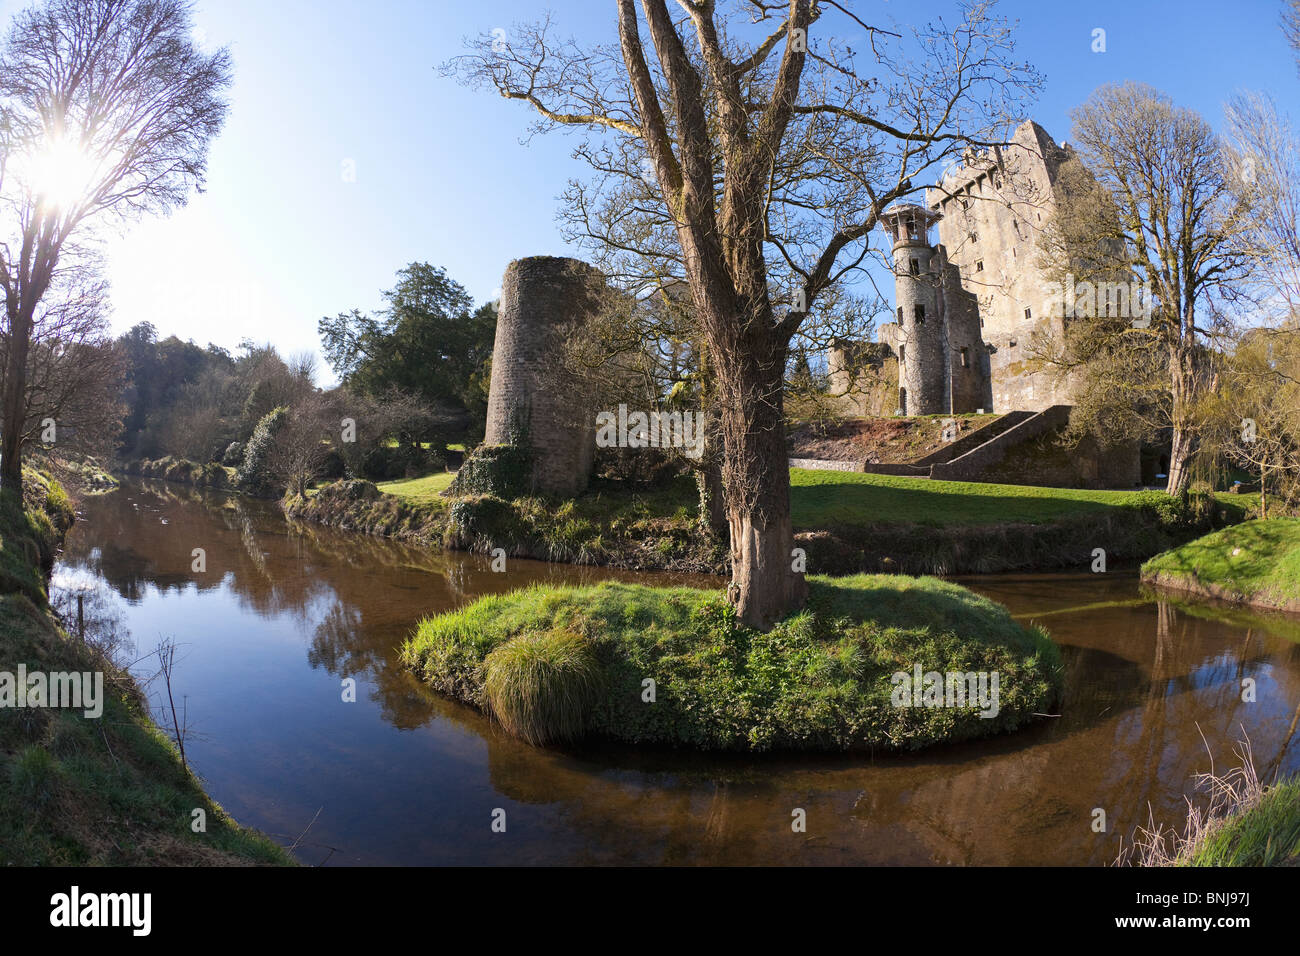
<point x="968" y="306"/>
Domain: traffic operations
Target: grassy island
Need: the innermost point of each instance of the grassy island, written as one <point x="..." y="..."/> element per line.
<point x="556" y="664"/>
<point x="1255" y="563"/>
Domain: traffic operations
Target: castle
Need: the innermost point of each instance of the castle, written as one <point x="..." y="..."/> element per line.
<point x="969" y="306"/>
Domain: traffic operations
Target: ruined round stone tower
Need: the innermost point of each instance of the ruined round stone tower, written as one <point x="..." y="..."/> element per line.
<point x="543" y="299"/>
<point x="920" y="340"/>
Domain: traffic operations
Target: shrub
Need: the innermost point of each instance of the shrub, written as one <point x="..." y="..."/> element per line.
<point x="356" y="489"/>
<point x="214" y="476"/>
<point x="253" y="476"/>
<point x="542" y="687"/>
<point x="503" y="471"/>
<point x="641" y="467"/>
<point x="482" y="520"/>
<point x="390" y="462"/>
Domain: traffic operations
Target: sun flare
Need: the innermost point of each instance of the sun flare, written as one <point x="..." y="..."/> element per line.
<point x="59" y="171"/>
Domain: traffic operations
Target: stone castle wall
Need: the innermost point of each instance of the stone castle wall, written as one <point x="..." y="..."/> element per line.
<point x="543" y="300"/>
<point x="993" y="214"/>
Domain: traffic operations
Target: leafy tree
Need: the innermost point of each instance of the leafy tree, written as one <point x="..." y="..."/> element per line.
<point x="1253" y="416"/>
<point x="429" y="342"/>
<point x="254" y="475"/>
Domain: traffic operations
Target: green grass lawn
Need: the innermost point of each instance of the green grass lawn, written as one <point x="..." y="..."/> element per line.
<point x="1258" y="562"/>
<point x="822" y="499"/>
<point x="420" y="490"/>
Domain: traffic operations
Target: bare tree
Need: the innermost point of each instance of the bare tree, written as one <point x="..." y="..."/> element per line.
<point x="302" y="444"/>
<point x="1291" y="26"/>
<point x="106" y="111"/>
<point x="1166" y="211"/>
<point x="1267" y="165"/>
<point x="753" y="160"/>
<point x="72" y="400"/>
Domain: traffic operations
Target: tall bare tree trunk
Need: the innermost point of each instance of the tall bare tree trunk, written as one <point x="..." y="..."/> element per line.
<point x="15" y="401"/>
<point x="713" y="502"/>
<point x="756" y="480"/>
<point x="1183" y="445"/>
<point x="1263" y="488"/>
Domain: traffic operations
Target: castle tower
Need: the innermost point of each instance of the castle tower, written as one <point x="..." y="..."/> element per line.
<point x="543" y="298"/>
<point x="993" y="210"/>
<point x="920" y="339"/>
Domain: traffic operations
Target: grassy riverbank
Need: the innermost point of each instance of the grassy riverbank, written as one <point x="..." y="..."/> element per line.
<point x="183" y="471"/>
<point x="558" y="663"/>
<point x="76" y="790"/>
<point x="845" y="521"/>
<point x="607" y="526"/>
<point x="1256" y="563"/>
<point x="1266" y="834"/>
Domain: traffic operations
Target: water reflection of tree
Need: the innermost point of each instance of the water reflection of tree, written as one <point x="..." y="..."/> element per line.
<point x="146" y="534"/>
<point x="1193" y="709"/>
<point x="98" y="620"/>
<point x="331" y="583"/>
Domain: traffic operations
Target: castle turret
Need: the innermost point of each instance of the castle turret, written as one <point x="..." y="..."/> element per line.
<point x="920" y="339"/>
<point x="543" y="299"/>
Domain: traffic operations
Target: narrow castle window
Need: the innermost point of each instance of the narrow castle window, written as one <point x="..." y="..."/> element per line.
<point x="900" y="315"/>
<point x="979" y="265"/>
<point x="918" y="313"/>
<point x="974" y="237"/>
<point x="902" y="354"/>
<point x="965" y="357"/>
<point x="916" y="267"/>
<point x="1028" y="314"/>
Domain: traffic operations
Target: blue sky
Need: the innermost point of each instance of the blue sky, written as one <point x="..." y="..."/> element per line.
<point x="281" y="238"/>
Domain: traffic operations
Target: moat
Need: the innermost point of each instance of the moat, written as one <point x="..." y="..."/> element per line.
<point x="284" y="613"/>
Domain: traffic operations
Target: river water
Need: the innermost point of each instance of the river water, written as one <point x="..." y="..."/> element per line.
<point x="283" y="613"/>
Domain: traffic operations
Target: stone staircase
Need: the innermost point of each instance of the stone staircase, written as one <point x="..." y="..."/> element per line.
<point x="966" y="458"/>
<point x="968" y="465"/>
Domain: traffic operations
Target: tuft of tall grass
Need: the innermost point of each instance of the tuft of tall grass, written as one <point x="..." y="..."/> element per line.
<point x="542" y="686"/>
<point x="1242" y="823"/>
